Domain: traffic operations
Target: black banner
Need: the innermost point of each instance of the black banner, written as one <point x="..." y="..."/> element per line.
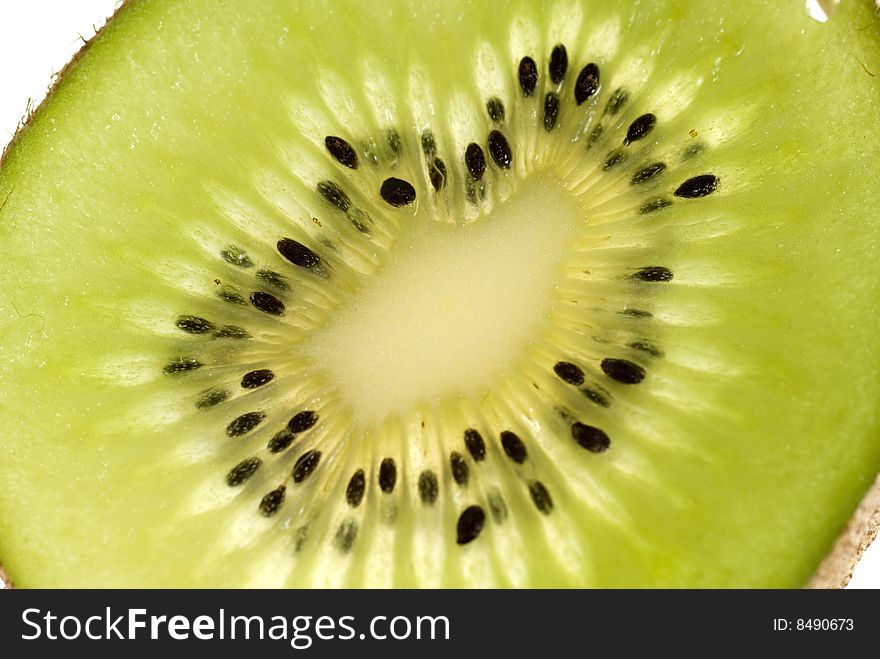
<point x="433" y="623"/>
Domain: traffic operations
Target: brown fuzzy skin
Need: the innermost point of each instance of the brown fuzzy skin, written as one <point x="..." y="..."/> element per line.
<point x="57" y="79"/>
<point x="836" y="569"/>
<point x="31" y="112"/>
<point x="4" y="578"/>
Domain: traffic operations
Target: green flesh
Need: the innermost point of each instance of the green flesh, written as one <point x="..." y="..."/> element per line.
<point x="192" y="126"/>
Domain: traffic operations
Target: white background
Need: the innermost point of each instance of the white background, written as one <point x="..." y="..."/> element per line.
<point x="37" y="37"/>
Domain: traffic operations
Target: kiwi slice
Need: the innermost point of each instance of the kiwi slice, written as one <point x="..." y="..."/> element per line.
<point x="565" y="293"/>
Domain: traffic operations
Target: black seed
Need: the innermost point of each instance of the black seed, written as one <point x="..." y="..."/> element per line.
<point x="558" y="64"/>
<point x="615" y="104"/>
<point x="231" y="332"/>
<point x="596" y="397"/>
<point x="272" y="501"/>
<point x="298" y="254"/>
<point x="437" y="174"/>
<point x="646" y="347"/>
<point x="475" y="444"/>
<point x="551" y="110"/>
<point x="590" y="437"/>
<point x="428" y="488"/>
<point x="305" y="465"/>
<point x="614" y="159"/>
<point x="570" y="373"/>
<point x="257" y="378"/>
<point x="541" y="497"/>
<point x="273" y="279"/>
<point x="354" y="493"/>
<point x="698" y="186"/>
<point x="646" y="174"/>
<point x="236" y="256"/>
<point x="387" y="475"/>
<point x="302" y="421"/>
<point x="429" y="146"/>
<point x="242" y="471"/>
<point x="654" y="205"/>
<point x="231" y="296"/>
<point x="637" y="313"/>
<point x="267" y="303"/>
<point x="513" y="447"/>
<point x="623" y="370"/>
<point x="181" y="365"/>
<point x="397" y="192"/>
<point x="586" y="84"/>
<point x="528" y="75"/>
<point x="211" y="397"/>
<point x="499" y="149"/>
<point x="653" y="273"/>
<point x="495" y="108"/>
<point x="342" y="151"/>
<point x="244" y="423"/>
<point x="475" y="160"/>
<point x="281" y="440"/>
<point x="345" y="535"/>
<point x="640" y="128"/>
<point x="194" y="324"/>
<point x="393" y="139"/>
<point x="470" y="523"/>
<point x="459" y="467"/>
<point x="335" y="195"/>
<point x="497" y="506"/>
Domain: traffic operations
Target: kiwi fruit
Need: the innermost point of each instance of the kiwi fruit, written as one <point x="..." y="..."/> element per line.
<point x="523" y="294"/>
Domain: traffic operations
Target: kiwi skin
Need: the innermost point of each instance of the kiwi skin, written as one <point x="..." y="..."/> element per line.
<point x="861" y="530"/>
<point x="5" y="580"/>
<point x="834" y="572"/>
<point x="57" y="80"/>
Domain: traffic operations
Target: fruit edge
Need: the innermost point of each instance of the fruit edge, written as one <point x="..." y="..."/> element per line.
<point x="836" y="569"/>
<point x="861" y="530"/>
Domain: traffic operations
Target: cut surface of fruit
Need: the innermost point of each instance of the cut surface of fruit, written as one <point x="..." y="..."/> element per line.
<point x="451" y="304"/>
<point x="564" y="293"/>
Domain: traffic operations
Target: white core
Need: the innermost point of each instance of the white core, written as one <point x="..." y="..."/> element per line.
<point x="453" y="307"/>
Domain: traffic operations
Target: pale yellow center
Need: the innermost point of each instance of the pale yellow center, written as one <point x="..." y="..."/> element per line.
<point x="453" y="306"/>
